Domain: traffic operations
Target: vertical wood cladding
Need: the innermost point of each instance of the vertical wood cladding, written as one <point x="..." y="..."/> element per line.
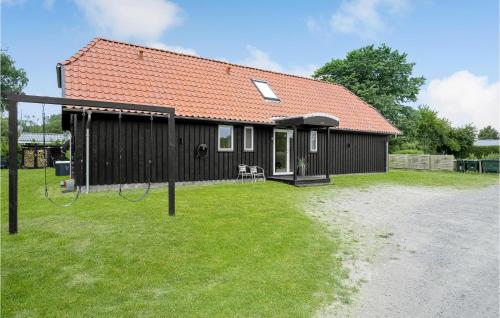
<point x="349" y="152"/>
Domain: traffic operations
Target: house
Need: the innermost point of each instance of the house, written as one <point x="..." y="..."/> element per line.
<point x="226" y="115"/>
<point x="487" y="142"/>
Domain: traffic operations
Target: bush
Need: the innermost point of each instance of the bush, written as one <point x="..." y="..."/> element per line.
<point x="471" y="156"/>
<point x="482" y="151"/>
<point x="409" y="152"/>
<point x="492" y="156"/>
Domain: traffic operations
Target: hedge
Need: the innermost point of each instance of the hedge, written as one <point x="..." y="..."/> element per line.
<point x="483" y="151"/>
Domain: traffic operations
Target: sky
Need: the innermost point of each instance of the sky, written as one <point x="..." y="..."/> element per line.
<point x="455" y="44"/>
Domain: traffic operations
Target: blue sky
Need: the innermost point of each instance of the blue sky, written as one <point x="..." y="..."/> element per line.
<point x="453" y="43"/>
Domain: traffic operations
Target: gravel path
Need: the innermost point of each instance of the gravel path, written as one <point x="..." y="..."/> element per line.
<point x="418" y="251"/>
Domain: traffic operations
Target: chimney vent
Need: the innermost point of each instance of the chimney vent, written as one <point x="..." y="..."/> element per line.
<point x="228" y="70"/>
<point x="141" y="54"/>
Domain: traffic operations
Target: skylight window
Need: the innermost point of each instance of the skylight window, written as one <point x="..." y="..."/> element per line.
<point x="265" y="90"/>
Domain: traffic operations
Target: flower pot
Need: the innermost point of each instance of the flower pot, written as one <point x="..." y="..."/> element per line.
<point x="302" y="171"/>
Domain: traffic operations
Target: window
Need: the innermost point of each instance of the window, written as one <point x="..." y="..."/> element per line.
<point x="225" y="138"/>
<point x="265" y="90"/>
<point x="248" y="139"/>
<point x="313" y="141"/>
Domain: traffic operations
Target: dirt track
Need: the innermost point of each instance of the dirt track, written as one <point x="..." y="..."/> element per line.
<point x="420" y="251"/>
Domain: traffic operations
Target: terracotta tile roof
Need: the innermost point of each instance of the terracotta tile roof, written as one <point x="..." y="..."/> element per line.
<point x="203" y="88"/>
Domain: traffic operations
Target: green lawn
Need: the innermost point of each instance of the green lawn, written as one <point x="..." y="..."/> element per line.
<point x="232" y="250"/>
<point x="418" y="178"/>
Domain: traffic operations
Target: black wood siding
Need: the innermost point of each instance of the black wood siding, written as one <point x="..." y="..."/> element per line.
<point x="349" y="152"/>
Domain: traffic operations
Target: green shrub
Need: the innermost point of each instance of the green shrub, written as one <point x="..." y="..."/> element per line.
<point x="482" y="151"/>
<point x="492" y="156"/>
<point x="410" y="152"/>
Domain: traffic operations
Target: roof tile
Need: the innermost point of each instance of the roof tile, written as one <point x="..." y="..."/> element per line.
<point x="199" y="87"/>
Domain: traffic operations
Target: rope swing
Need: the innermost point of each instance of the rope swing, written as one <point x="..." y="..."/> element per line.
<point x="47" y="196"/>
<point x="120" y="157"/>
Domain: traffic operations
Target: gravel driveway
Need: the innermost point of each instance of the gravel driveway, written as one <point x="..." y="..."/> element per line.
<point x="418" y="251"/>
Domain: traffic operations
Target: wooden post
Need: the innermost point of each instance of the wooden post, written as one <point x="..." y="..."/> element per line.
<point x="295" y="144"/>
<point x="327" y="153"/>
<point x="12" y="167"/>
<point x="172" y="163"/>
<point x="35" y="156"/>
<point x="13" y="99"/>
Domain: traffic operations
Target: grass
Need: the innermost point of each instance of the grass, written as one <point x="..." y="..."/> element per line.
<point x="232" y="250"/>
<point x="418" y="178"/>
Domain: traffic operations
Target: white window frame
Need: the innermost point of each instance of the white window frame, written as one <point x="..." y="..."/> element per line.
<point x="271" y="98"/>
<point x="313" y="147"/>
<point x="289" y="135"/>
<point x="245" y="139"/>
<point x="218" y="138"/>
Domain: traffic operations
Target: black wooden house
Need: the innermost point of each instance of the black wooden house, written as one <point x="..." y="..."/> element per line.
<point x="226" y="115"/>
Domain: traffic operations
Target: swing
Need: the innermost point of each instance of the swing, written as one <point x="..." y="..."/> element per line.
<point x="47" y="196"/>
<point x="120" y="191"/>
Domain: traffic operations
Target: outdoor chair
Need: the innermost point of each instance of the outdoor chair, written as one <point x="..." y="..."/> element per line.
<point x="243" y="172"/>
<point x="257" y="172"/>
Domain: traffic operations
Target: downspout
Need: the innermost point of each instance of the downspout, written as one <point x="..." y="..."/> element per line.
<point x="387" y="154"/>
<point x="71" y="175"/>
<point x="87" y="153"/>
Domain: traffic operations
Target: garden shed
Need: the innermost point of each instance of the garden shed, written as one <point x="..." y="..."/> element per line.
<point x="33" y="148"/>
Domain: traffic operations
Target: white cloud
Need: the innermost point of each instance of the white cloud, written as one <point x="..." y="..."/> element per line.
<point x="313" y="24"/>
<point x="260" y="59"/>
<point x="364" y="17"/>
<point x="464" y="97"/>
<point x="142" y="20"/>
<point x="303" y="70"/>
<point x="173" y="48"/>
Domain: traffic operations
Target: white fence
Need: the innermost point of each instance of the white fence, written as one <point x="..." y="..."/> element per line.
<point x="422" y="162"/>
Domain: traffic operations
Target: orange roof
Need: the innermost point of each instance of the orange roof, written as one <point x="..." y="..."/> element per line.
<point x="203" y="88"/>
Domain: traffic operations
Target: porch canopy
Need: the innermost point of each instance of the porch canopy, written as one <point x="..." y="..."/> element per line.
<point x="311" y="121"/>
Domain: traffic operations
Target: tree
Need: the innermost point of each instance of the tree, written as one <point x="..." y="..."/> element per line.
<point x="488" y="132"/>
<point x="432" y="131"/>
<point x="52" y="124"/>
<point x="408" y="120"/>
<point x="380" y="76"/>
<point x="463" y="137"/>
<point x="13" y="80"/>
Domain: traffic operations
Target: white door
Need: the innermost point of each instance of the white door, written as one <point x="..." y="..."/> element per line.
<point x="281" y="151"/>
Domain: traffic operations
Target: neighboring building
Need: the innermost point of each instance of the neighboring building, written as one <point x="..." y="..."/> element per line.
<point x="487" y="142"/>
<point x="242" y="115"/>
<point x="37" y="138"/>
<point x="33" y="153"/>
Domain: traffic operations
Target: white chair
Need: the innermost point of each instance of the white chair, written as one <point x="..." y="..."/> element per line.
<point x="243" y="172"/>
<point x="257" y="172"/>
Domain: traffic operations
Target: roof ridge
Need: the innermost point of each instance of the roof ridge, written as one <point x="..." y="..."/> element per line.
<point x="95" y="40"/>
